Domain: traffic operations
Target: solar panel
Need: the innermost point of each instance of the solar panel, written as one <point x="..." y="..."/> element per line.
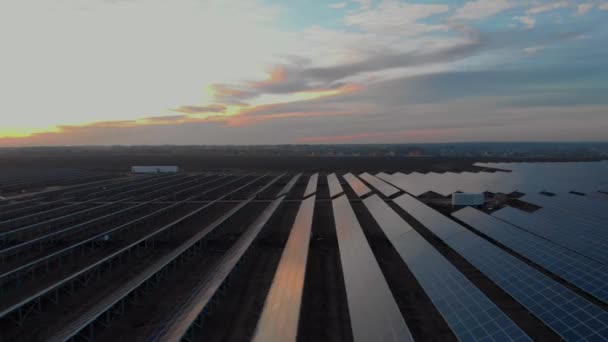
<point x="334" y="185"/>
<point x="433" y="180"/>
<point x="525" y="178"/>
<point x="597" y="195"/>
<point x="588" y="224"/>
<point x="468" y="312"/>
<point x="447" y="183"/>
<point x="532" y="177"/>
<point x="572" y="204"/>
<point x="562" y="310"/>
<point x="357" y="185"/>
<point x="311" y="187"/>
<point x="279" y="318"/>
<point x="385" y="188"/>
<point x="184" y="315"/>
<point x="374" y="314"/>
<point x="413" y="183"/>
<point x="585" y="273"/>
<point x="287" y="188"/>
<point x="561" y="233"/>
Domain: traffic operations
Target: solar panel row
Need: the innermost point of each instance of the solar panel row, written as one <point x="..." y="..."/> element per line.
<point x="335" y="188"/>
<point x="311" y="187"/>
<point x="183" y="318"/>
<point x="525" y="178"/>
<point x="565" y="312"/>
<point x="571" y="204"/>
<point x="64" y="278"/>
<point x="582" y="272"/>
<point x="357" y="185"/>
<point x="468" y="312"/>
<point x="564" y="176"/>
<point x="555" y="237"/>
<point x="373" y="311"/>
<point x="384" y="188"/>
<point x="280" y="316"/>
<point x="583" y="222"/>
<point x="287" y="188"/>
<point x="559" y="232"/>
<point x="597" y="195"/>
<point x="226" y="264"/>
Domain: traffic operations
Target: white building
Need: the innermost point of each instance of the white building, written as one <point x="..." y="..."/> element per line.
<point x="467" y="198"/>
<point x="154" y="169"/>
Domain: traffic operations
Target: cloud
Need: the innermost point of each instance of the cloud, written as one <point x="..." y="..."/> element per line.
<point x="98" y="73"/>
<point x="337" y="5"/>
<point x="481" y="9"/>
<point x="392" y="16"/>
<point x="532" y="50"/>
<point x="363" y="4"/>
<point x="604" y="6"/>
<point x="582" y="9"/>
<point x="453" y="119"/>
<point x="298" y="78"/>
<point x="548" y="7"/>
<point x="393" y="72"/>
<point x="242" y="120"/>
<point x="303" y="77"/>
<point x="201" y="109"/>
<point x="509" y="86"/>
<point x="529" y="21"/>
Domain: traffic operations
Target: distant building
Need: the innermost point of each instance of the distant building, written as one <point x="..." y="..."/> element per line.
<point x="464" y="199"/>
<point x="154" y="169"/>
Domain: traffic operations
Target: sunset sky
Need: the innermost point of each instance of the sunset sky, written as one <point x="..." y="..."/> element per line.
<point x="105" y="72"/>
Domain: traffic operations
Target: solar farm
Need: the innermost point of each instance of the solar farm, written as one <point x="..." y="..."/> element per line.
<point x="330" y="256"/>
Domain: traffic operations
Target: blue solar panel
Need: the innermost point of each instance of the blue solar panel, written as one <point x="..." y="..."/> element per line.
<point x="569" y="235"/>
<point x="468" y="312"/>
<point x="579" y="270"/>
<point x="562" y="310"/>
<point x="591" y="224"/>
<point x="572" y="204"/>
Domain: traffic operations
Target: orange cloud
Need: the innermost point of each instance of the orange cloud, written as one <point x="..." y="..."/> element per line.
<point x="242" y="120"/>
<point x="276" y="75"/>
<point x="215" y="108"/>
<point x="227" y="93"/>
<point x="323" y="92"/>
<point x="271" y="99"/>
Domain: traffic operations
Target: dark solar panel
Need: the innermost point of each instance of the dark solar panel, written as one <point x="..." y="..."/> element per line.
<point x="581" y="271"/>
<point x="468" y="312"/>
<point x="565" y="312"/>
<point x="560" y="232"/>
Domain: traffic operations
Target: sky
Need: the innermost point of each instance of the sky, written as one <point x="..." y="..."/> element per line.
<point x="147" y="72"/>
